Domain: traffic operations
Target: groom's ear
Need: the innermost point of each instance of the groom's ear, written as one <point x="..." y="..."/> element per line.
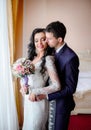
<point x="60" y="39"/>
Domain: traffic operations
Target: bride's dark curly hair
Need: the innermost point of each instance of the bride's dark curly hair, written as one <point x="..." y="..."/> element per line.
<point x="32" y="50"/>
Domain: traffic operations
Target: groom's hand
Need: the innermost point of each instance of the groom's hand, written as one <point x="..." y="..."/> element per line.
<point x="40" y="97"/>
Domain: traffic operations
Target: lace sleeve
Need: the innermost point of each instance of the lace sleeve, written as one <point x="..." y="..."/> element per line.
<point x="55" y="83"/>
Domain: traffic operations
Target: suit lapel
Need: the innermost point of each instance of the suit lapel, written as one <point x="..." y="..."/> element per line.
<point x="61" y="51"/>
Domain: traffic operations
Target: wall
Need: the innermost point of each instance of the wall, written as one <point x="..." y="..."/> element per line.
<point x="75" y="14"/>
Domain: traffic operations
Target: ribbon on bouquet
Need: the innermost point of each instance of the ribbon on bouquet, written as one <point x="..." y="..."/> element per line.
<point x="25" y="82"/>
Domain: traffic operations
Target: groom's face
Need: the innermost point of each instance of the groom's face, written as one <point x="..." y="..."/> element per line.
<point x="51" y="40"/>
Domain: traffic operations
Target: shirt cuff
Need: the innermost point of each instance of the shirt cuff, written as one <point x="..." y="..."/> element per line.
<point x="47" y="96"/>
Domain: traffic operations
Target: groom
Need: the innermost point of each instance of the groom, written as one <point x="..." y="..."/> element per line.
<point x="67" y="63"/>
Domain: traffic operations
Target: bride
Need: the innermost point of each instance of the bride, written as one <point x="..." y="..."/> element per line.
<point x="40" y="54"/>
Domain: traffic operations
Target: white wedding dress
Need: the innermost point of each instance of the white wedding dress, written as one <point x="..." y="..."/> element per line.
<point x="36" y="113"/>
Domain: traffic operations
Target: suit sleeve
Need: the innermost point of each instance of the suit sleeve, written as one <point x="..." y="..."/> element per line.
<point x="71" y="78"/>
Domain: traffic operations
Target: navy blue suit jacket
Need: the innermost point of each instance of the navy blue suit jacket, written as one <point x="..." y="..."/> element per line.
<point x="67" y="63"/>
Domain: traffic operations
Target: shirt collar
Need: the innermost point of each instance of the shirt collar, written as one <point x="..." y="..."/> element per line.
<point x="60" y="48"/>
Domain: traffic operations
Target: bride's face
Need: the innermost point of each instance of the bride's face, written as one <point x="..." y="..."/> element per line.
<point x="40" y="42"/>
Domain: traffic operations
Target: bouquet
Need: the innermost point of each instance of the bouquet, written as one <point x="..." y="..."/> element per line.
<point x="22" y="68"/>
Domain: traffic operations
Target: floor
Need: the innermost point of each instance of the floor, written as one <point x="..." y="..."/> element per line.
<point x="80" y="122"/>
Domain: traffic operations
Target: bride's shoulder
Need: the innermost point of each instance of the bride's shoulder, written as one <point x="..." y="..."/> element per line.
<point x="50" y="58"/>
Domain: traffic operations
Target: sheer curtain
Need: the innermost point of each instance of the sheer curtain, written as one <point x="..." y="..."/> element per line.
<point x="8" y="113"/>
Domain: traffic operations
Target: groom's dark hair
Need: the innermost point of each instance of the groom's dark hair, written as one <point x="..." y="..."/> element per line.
<point x="57" y="28"/>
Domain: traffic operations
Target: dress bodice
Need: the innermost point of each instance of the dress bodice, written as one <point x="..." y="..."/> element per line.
<point x="37" y="80"/>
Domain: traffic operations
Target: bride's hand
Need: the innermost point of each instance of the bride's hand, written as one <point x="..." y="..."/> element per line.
<point x="32" y="97"/>
<point x="23" y="90"/>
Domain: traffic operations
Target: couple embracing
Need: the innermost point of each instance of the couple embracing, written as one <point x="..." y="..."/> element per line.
<point x="51" y="88"/>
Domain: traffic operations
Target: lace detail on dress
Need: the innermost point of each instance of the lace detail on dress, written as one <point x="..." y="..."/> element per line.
<point x="55" y="83"/>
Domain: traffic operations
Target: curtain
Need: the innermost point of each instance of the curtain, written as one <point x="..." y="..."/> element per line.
<point x="8" y="113"/>
<point x="15" y="7"/>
